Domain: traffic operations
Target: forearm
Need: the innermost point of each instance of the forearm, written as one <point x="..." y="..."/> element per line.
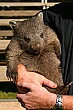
<point x="68" y="102"/>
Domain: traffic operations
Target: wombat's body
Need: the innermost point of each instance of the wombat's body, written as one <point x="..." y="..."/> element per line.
<point x="36" y="46"/>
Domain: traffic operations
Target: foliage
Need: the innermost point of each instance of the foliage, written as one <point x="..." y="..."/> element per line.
<point x="7" y="95"/>
<point x="8" y="90"/>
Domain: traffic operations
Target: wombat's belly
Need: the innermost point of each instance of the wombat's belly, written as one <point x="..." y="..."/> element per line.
<point x="46" y="65"/>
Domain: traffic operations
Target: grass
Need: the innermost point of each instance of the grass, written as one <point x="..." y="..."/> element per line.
<point x="8" y="90"/>
<point x="7" y="95"/>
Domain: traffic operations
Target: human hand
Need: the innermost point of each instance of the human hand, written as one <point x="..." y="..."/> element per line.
<point x="32" y="77"/>
<point x="37" y="97"/>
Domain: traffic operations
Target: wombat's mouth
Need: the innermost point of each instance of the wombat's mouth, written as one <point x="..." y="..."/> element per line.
<point x="33" y="52"/>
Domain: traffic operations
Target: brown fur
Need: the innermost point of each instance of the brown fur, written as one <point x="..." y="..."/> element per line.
<point x="36" y="46"/>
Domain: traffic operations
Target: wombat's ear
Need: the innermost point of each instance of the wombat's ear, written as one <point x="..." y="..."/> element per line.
<point x="40" y="15"/>
<point x="12" y="24"/>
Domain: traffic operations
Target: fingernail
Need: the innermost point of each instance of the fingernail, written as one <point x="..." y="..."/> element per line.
<point x="54" y="85"/>
<point x="18" y="83"/>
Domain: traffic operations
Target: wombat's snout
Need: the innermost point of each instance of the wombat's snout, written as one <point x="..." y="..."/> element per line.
<point x="38" y="46"/>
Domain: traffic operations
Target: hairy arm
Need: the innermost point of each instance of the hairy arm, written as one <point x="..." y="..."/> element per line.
<point x="67" y="102"/>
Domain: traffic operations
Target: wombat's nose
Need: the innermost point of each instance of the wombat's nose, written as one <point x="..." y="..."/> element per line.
<point x="38" y="47"/>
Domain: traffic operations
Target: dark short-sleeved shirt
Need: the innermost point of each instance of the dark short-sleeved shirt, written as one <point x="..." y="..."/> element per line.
<point x="60" y="19"/>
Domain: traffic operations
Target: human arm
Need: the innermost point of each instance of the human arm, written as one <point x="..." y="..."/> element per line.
<point x="67" y="102"/>
<point x="39" y="97"/>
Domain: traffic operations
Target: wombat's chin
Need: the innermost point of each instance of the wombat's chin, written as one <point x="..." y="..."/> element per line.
<point x="33" y="52"/>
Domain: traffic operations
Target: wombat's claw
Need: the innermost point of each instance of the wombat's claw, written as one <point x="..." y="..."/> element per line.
<point x="70" y="84"/>
<point x="14" y="78"/>
<point x="11" y="76"/>
<point x="66" y="88"/>
<point x="8" y="75"/>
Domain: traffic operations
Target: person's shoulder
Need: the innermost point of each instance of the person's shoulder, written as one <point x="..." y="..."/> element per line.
<point x="63" y="9"/>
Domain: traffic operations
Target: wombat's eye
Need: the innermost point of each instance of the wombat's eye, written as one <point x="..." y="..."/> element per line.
<point x="41" y="35"/>
<point x="26" y="38"/>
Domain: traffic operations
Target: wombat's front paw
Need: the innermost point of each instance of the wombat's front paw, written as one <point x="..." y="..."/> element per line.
<point x="11" y="74"/>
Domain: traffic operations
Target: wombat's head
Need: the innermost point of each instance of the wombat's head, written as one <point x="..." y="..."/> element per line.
<point x="30" y="33"/>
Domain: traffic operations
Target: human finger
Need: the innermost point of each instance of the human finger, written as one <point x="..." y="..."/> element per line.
<point x="21" y="72"/>
<point x="21" y="68"/>
<point x="20" y="99"/>
<point x="20" y="96"/>
<point x="30" y="86"/>
<point x="49" y="83"/>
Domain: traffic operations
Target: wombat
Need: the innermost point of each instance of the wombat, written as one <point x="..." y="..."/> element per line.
<point x="36" y="46"/>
